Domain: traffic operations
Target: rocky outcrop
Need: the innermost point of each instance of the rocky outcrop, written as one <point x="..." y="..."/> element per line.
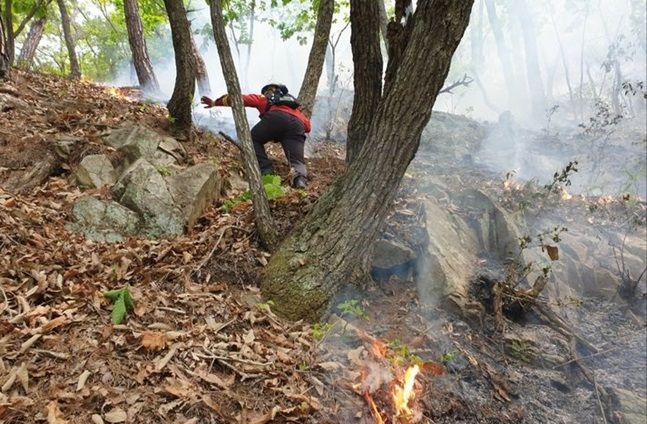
<point x="95" y="171"/>
<point x="102" y="220"/>
<point x="154" y="195"/>
<point x="142" y="189"/>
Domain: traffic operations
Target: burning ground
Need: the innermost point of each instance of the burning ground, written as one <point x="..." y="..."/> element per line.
<point x="418" y="343"/>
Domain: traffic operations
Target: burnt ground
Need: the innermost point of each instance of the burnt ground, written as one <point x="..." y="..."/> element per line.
<point x="200" y="345"/>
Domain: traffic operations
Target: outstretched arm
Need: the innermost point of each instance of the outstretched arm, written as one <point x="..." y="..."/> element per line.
<point x="249" y="100"/>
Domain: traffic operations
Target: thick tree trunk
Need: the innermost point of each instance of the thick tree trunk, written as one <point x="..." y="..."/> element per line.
<point x="28" y="50"/>
<point x="308" y="91"/>
<point x="328" y="248"/>
<point x="367" y="76"/>
<point x="179" y="106"/>
<point x="5" y="65"/>
<point x="201" y="74"/>
<point x="141" y="60"/>
<point x="75" y="69"/>
<point x="264" y="222"/>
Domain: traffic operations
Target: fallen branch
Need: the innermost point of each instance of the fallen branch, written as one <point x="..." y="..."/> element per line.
<point x="231" y="140"/>
<point x="465" y="81"/>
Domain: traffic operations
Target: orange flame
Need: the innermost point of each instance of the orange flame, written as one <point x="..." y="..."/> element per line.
<point x="374" y="411"/>
<point x="566" y="195"/>
<point x="402" y="395"/>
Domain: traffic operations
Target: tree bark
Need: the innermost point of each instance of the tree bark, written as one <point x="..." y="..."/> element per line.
<point x="367" y="71"/>
<point x="398" y="34"/>
<point x="201" y="74"/>
<point x="308" y="91"/>
<point x="264" y="222"/>
<point x="75" y="69"/>
<point x="28" y="50"/>
<point x="141" y="60"/>
<point x="179" y="106"/>
<point x="5" y="64"/>
<point x="10" y="43"/>
<point x="328" y="248"/>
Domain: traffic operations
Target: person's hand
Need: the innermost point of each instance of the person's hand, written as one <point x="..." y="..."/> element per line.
<point x="207" y="102"/>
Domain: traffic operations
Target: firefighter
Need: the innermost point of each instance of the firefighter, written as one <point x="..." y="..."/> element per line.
<point x="281" y="122"/>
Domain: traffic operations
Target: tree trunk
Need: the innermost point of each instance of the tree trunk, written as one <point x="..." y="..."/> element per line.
<point x="28" y="50"/>
<point x="327" y="249"/>
<point x="141" y="60"/>
<point x="201" y="74"/>
<point x="398" y="34"/>
<point x="308" y="91"/>
<point x="75" y="69"/>
<point x="179" y="106"/>
<point x="264" y="222"/>
<point x="367" y="72"/>
<point x="10" y="47"/>
<point x="5" y="64"/>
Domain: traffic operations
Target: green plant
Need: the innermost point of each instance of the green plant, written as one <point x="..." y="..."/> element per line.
<point x="271" y="184"/>
<point x="265" y="306"/>
<point x="353" y="308"/>
<point x="400" y="354"/>
<point x="122" y="301"/>
<point x="163" y="170"/>
<point x="319" y="330"/>
<point x="448" y="357"/>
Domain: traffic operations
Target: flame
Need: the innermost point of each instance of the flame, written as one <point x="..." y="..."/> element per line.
<point x="402" y="395"/>
<point x="374" y="411"/>
<point x="566" y="195"/>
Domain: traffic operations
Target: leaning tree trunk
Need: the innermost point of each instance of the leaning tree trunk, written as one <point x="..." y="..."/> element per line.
<point x="5" y="64"/>
<point x="398" y="38"/>
<point x="264" y="222"/>
<point x="143" y="66"/>
<point x="201" y="74"/>
<point x="28" y="50"/>
<point x="328" y="247"/>
<point x="367" y="68"/>
<point x="75" y="69"/>
<point x="179" y="106"/>
<point x="308" y="91"/>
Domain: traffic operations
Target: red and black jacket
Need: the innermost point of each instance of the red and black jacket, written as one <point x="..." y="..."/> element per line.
<point x="260" y="103"/>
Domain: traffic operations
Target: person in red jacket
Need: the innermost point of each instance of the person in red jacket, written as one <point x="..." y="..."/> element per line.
<point x="281" y="121"/>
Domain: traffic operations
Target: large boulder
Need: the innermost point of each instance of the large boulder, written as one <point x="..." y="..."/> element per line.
<point x="136" y="141"/>
<point x="452" y="136"/>
<point x="142" y="189"/>
<point x="95" y="171"/>
<point x="102" y="220"/>
<point x="193" y="189"/>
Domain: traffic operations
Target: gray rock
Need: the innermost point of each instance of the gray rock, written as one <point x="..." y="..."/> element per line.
<point x="102" y="220"/>
<point x="64" y="145"/>
<point x="142" y="189"/>
<point x="137" y="141"/>
<point x="194" y="189"/>
<point x="390" y="253"/>
<point x="95" y="171"/>
<point x="8" y="102"/>
<point x="631" y="408"/>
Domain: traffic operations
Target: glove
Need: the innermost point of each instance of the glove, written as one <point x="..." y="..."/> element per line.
<point x="224" y="99"/>
<point x="207" y="102"/>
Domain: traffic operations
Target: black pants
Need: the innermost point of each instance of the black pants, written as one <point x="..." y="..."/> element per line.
<point x="283" y="128"/>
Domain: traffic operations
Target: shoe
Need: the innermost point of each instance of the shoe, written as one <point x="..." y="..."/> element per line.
<point x="299" y="182"/>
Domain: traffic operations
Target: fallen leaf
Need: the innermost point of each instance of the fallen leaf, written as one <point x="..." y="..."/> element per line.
<point x="54" y="415"/>
<point x="23" y="377"/>
<point x="82" y="379"/>
<point x="154" y="340"/>
<point x="553" y="252"/>
<point x="116" y="415"/>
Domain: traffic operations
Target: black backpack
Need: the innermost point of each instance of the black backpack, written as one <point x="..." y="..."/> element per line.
<point x="280" y="97"/>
